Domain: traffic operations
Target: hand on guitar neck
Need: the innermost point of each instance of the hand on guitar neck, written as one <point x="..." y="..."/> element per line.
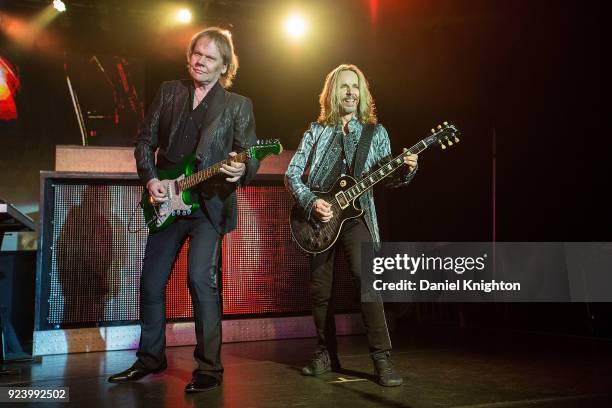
<point x="235" y="170"/>
<point x="411" y="161"/>
<point x="322" y="210"/>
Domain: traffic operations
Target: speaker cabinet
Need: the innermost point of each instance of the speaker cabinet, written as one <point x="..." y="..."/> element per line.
<point x="88" y="270"/>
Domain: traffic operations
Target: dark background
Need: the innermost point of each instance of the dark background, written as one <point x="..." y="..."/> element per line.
<point x="522" y="79"/>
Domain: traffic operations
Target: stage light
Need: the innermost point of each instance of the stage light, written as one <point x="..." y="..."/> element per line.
<point x="184" y="15"/>
<point x="59" y="5"/>
<point x="9" y="84"/>
<point x="295" y="26"/>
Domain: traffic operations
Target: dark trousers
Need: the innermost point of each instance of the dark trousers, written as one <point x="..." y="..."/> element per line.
<point x="203" y="265"/>
<point x="354" y="233"/>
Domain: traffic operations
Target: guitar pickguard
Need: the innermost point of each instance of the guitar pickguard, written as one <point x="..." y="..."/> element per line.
<point x="174" y="205"/>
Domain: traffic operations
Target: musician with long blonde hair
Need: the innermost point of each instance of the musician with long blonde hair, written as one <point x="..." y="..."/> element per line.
<point x="345" y="139"/>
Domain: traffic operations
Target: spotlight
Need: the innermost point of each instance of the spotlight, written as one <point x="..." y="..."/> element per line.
<point x="59" y="5"/>
<point x="184" y="15"/>
<point x="295" y="26"/>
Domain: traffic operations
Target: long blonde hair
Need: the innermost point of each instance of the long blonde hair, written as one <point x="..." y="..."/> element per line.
<point x="330" y="101"/>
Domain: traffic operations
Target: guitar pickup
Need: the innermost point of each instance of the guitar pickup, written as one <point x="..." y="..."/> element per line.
<point x="342" y="201"/>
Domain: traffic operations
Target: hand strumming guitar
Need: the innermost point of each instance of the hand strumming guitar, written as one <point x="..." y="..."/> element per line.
<point x="157" y="190"/>
<point x="322" y="210"/>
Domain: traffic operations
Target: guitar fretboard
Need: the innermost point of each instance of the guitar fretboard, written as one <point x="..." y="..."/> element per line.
<point x="375" y="176"/>
<point x="209" y="172"/>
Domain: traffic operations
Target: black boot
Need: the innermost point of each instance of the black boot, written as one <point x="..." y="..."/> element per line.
<point x="202" y="382"/>
<point x="134" y="373"/>
<point x="321" y="363"/>
<point x="384" y="370"/>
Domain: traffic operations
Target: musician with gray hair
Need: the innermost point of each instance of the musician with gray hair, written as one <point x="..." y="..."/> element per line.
<point x="192" y="118"/>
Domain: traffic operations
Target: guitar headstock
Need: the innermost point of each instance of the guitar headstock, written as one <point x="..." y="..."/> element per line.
<point x="264" y="148"/>
<point x="445" y="133"/>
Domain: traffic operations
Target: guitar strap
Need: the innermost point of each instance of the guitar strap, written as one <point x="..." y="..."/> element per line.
<point x="363" y="148"/>
<point x="307" y="167"/>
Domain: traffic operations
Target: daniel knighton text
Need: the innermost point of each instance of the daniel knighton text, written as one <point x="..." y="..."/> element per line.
<point x="458" y="265"/>
<point x="487" y="272"/>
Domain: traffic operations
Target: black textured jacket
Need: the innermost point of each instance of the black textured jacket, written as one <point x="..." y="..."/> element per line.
<point x="232" y="129"/>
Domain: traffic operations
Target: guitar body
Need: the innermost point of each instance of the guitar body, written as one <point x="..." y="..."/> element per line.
<point x="181" y="179"/>
<point x="314" y="236"/>
<point x="159" y="215"/>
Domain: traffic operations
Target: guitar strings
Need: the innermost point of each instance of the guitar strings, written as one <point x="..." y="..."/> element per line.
<point x="202" y="175"/>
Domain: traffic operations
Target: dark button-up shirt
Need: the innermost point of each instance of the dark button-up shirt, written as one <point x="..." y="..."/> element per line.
<point x="190" y="134"/>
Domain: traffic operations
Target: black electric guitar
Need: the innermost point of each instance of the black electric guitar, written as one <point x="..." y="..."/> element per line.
<point x="314" y="236"/>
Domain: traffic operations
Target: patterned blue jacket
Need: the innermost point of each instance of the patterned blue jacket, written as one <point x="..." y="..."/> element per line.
<point x="318" y="152"/>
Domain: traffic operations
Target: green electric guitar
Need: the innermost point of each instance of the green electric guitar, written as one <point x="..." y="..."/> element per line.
<point x="180" y="180"/>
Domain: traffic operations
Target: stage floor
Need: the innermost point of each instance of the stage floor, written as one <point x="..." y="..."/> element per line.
<point x="442" y="367"/>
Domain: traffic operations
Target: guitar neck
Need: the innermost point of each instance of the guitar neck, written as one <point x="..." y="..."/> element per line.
<point x="370" y="180"/>
<point x="202" y="175"/>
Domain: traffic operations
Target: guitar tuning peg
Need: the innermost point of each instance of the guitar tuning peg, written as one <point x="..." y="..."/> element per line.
<point x="433" y="130"/>
<point x="445" y="123"/>
<point x="456" y="139"/>
<point x="439" y="126"/>
<point x="442" y="145"/>
<point x="448" y="141"/>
